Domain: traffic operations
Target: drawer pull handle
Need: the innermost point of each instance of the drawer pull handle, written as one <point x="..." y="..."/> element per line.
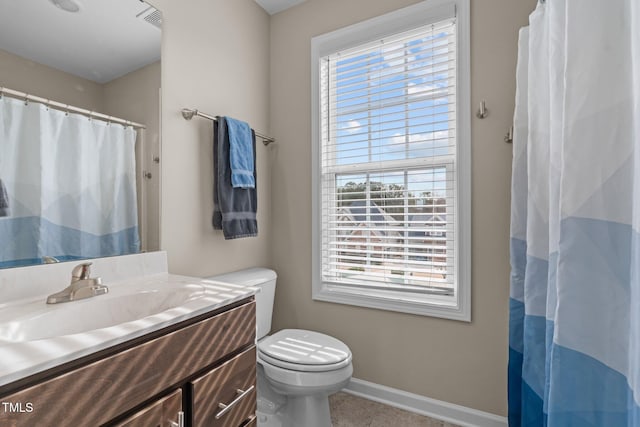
<point x="227" y="408"/>
<point x="180" y="422"/>
<point x="249" y="421"/>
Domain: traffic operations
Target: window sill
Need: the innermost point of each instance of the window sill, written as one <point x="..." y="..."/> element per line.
<point x="445" y="307"/>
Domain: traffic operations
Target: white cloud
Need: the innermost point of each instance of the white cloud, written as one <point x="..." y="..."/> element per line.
<point x="352" y="126"/>
<point x="413" y="88"/>
<point x="436" y="142"/>
<point x="421" y="89"/>
<point x="422" y="137"/>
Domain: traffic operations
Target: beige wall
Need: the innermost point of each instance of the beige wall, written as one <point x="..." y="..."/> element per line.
<point x="462" y="363"/>
<point x="136" y="96"/>
<point x="21" y="74"/>
<point x="215" y="57"/>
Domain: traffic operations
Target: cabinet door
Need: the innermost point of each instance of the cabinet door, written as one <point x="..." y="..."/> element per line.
<point x="158" y="414"/>
<point x="226" y="396"/>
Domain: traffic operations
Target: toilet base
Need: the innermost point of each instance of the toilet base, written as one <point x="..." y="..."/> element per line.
<point x="308" y="411"/>
<point x="296" y="408"/>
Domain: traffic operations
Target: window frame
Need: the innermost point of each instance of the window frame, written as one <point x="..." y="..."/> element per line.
<point x="421" y="303"/>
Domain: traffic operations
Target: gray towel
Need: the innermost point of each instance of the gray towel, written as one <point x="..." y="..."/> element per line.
<point x="234" y="209"/>
<point x="4" y="200"/>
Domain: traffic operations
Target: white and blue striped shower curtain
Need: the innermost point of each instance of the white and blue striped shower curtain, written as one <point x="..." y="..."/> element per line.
<point x="574" y="344"/>
<point x="70" y="182"/>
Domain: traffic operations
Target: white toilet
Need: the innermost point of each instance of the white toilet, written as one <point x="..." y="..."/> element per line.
<point x="297" y="369"/>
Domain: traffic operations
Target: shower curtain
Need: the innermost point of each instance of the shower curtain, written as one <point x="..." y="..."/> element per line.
<point x="574" y="344"/>
<point x="70" y="182"/>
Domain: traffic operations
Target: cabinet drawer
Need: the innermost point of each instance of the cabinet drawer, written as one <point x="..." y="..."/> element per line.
<point x="230" y="384"/>
<point x="128" y="378"/>
<point x="157" y="414"/>
<point x="251" y="422"/>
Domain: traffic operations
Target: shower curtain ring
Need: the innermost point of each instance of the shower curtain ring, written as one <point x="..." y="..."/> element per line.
<point x="66" y="110"/>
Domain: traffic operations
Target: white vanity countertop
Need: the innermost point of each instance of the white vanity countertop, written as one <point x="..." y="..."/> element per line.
<point x="20" y="358"/>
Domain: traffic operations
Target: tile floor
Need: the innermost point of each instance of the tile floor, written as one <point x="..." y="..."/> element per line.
<point x="352" y="411"/>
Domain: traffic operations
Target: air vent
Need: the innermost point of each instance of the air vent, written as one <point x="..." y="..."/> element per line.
<point x="152" y="15"/>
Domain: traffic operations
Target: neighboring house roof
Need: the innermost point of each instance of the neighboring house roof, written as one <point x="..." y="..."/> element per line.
<point x="427" y="218"/>
<point x="434" y="221"/>
<point x="356" y="212"/>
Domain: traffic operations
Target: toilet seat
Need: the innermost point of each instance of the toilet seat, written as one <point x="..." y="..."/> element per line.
<point x="290" y="382"/>
<point x="304" y="351"/>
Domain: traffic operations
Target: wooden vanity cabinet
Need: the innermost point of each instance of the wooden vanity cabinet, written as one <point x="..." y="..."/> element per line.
<point x="191" y="367"/>
<point x="161" y="413"/>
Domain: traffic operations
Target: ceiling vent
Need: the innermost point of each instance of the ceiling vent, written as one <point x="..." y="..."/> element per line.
<point x="152" y="15"/>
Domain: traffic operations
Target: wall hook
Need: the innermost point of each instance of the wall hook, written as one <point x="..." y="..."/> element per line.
<point x="508" y="138"/>
<point x="483" y="111"/>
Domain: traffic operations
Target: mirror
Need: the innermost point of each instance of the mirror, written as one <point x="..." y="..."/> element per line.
<point x="75" y="181"/>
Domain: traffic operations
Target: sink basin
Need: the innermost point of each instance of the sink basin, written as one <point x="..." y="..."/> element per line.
<point x="35" y="320"/>
<point x="35" y="336"/>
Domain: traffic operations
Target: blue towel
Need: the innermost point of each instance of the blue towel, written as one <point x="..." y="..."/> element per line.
<point x="234" y="209"/>
<point x="241" y="157"/>
<point x="4" y="200"/>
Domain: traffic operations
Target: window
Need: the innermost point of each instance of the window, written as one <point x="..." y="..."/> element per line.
<point x="391" y="162"/>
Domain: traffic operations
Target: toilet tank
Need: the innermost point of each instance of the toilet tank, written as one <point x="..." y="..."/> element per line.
<point x="264" y="279"/>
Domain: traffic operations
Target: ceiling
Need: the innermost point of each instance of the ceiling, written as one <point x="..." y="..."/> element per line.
<point x="275" y="6"/>
<point x="101" y="42"/>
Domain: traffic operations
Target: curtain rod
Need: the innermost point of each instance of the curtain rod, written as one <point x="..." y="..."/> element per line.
<point x="188" y="115"/>
<point x="68" y="108"/>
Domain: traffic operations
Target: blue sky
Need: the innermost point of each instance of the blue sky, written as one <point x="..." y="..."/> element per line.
<point x="378" y="79"/>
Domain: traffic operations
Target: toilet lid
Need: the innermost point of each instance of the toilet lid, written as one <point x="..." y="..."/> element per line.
<point x="304" y="351"/>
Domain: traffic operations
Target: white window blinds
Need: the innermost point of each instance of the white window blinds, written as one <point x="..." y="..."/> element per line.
<point x="388" y="162"/>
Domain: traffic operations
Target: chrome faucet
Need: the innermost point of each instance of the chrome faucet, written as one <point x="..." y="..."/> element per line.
<point x="82" y="286"/>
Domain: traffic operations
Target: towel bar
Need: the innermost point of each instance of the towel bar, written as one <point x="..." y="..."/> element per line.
<point x="188" y="115"/>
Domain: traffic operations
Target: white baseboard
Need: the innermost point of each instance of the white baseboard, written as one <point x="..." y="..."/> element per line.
<point x="438" y="409"/>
